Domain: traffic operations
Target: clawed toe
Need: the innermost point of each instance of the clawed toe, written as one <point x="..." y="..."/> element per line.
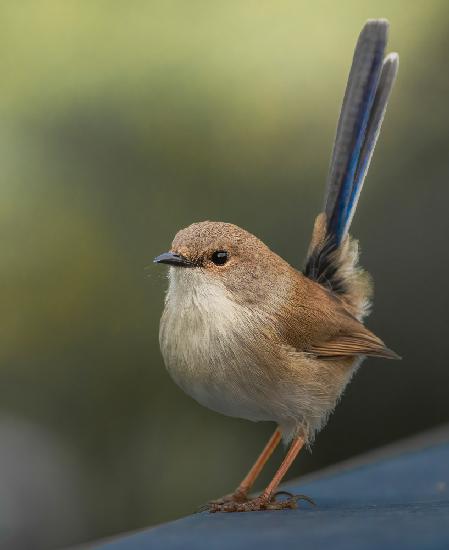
<point x="233" y="506"/>
<point x="291" y="496"/>
<point x="225" y="501"/>
<point x="203" y="508"/>
<point x="260" y="503"/>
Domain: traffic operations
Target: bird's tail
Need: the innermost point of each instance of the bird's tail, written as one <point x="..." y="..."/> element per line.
<point x="333" y="256"/>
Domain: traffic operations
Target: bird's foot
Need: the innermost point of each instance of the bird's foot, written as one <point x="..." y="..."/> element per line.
<point x="259" y="503"/>
<point x="236" y="497"/>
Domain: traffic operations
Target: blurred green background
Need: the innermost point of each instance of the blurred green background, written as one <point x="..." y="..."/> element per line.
<point x="123" y="122"/>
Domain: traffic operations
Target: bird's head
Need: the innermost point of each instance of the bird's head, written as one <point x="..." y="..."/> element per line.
<point x="223" y="254"/>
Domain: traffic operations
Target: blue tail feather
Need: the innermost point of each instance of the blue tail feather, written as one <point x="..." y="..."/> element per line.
<point x="337" y="222"/>
<point x="387" y="78"/>
<point x="369" y="85"/>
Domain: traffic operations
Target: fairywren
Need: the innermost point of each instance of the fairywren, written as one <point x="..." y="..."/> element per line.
<point x="246" y="334"/>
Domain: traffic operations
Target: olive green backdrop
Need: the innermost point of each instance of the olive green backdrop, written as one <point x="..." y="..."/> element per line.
<point x="122" y="122"/>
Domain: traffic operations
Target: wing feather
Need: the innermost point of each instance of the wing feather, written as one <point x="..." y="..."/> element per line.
<point x="353" y="344"/>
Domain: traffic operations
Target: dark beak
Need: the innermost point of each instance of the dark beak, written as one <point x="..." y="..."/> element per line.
<point x="171" y="258"/>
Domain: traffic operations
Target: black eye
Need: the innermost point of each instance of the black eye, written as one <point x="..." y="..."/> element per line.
<point x="219" y="257"/>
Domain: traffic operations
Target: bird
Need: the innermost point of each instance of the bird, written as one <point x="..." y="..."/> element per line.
<point x="247" y="335"/>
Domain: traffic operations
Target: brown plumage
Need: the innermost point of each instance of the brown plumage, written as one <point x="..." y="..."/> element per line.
<point x="246" y="334"/>
<point x="287" y="345"/>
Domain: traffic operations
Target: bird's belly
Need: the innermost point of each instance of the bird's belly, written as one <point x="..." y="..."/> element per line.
<point x="224" y="356"/>
<point x="216" y="384"/>
<point x="220" y="395"/>
<point x="212" y="363"/>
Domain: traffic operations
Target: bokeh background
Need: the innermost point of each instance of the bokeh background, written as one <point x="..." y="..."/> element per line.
<point x="122" y="122"/>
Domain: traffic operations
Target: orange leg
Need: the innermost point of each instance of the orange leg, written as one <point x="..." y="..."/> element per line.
<point x="241" y="493"/>
<point x="253" y="474"/>
<point x="265" y="500"/>
<point x="295" y="447"/>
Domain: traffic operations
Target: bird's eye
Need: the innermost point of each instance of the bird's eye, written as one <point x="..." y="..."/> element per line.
<point x="219" y="257"/>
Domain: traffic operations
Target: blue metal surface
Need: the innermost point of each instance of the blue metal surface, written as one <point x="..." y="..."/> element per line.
<point x="398" y="503"/>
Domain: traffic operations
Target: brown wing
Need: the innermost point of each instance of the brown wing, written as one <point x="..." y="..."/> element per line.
<point x="317" y="321"/>
<point x="352" y="344"/>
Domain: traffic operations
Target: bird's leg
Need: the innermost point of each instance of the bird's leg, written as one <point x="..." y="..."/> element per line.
<point x="253" y="474"/>
<point x="265" y="500"/>
<point x="241" y="493"/>
<point x="270" y="492"/>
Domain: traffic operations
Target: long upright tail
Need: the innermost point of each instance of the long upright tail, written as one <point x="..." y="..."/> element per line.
<point x="332" y="258"/>
<point x="369" y="85"/>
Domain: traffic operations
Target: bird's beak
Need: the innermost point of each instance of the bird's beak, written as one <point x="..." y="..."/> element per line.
<point x="171" y="258"/>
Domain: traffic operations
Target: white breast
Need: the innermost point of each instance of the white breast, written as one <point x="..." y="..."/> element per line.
<point x="222" y="355"/>
<point x="205" y="340"/>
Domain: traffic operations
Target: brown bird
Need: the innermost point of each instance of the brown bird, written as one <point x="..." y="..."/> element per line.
<point x="246" y="334"/>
